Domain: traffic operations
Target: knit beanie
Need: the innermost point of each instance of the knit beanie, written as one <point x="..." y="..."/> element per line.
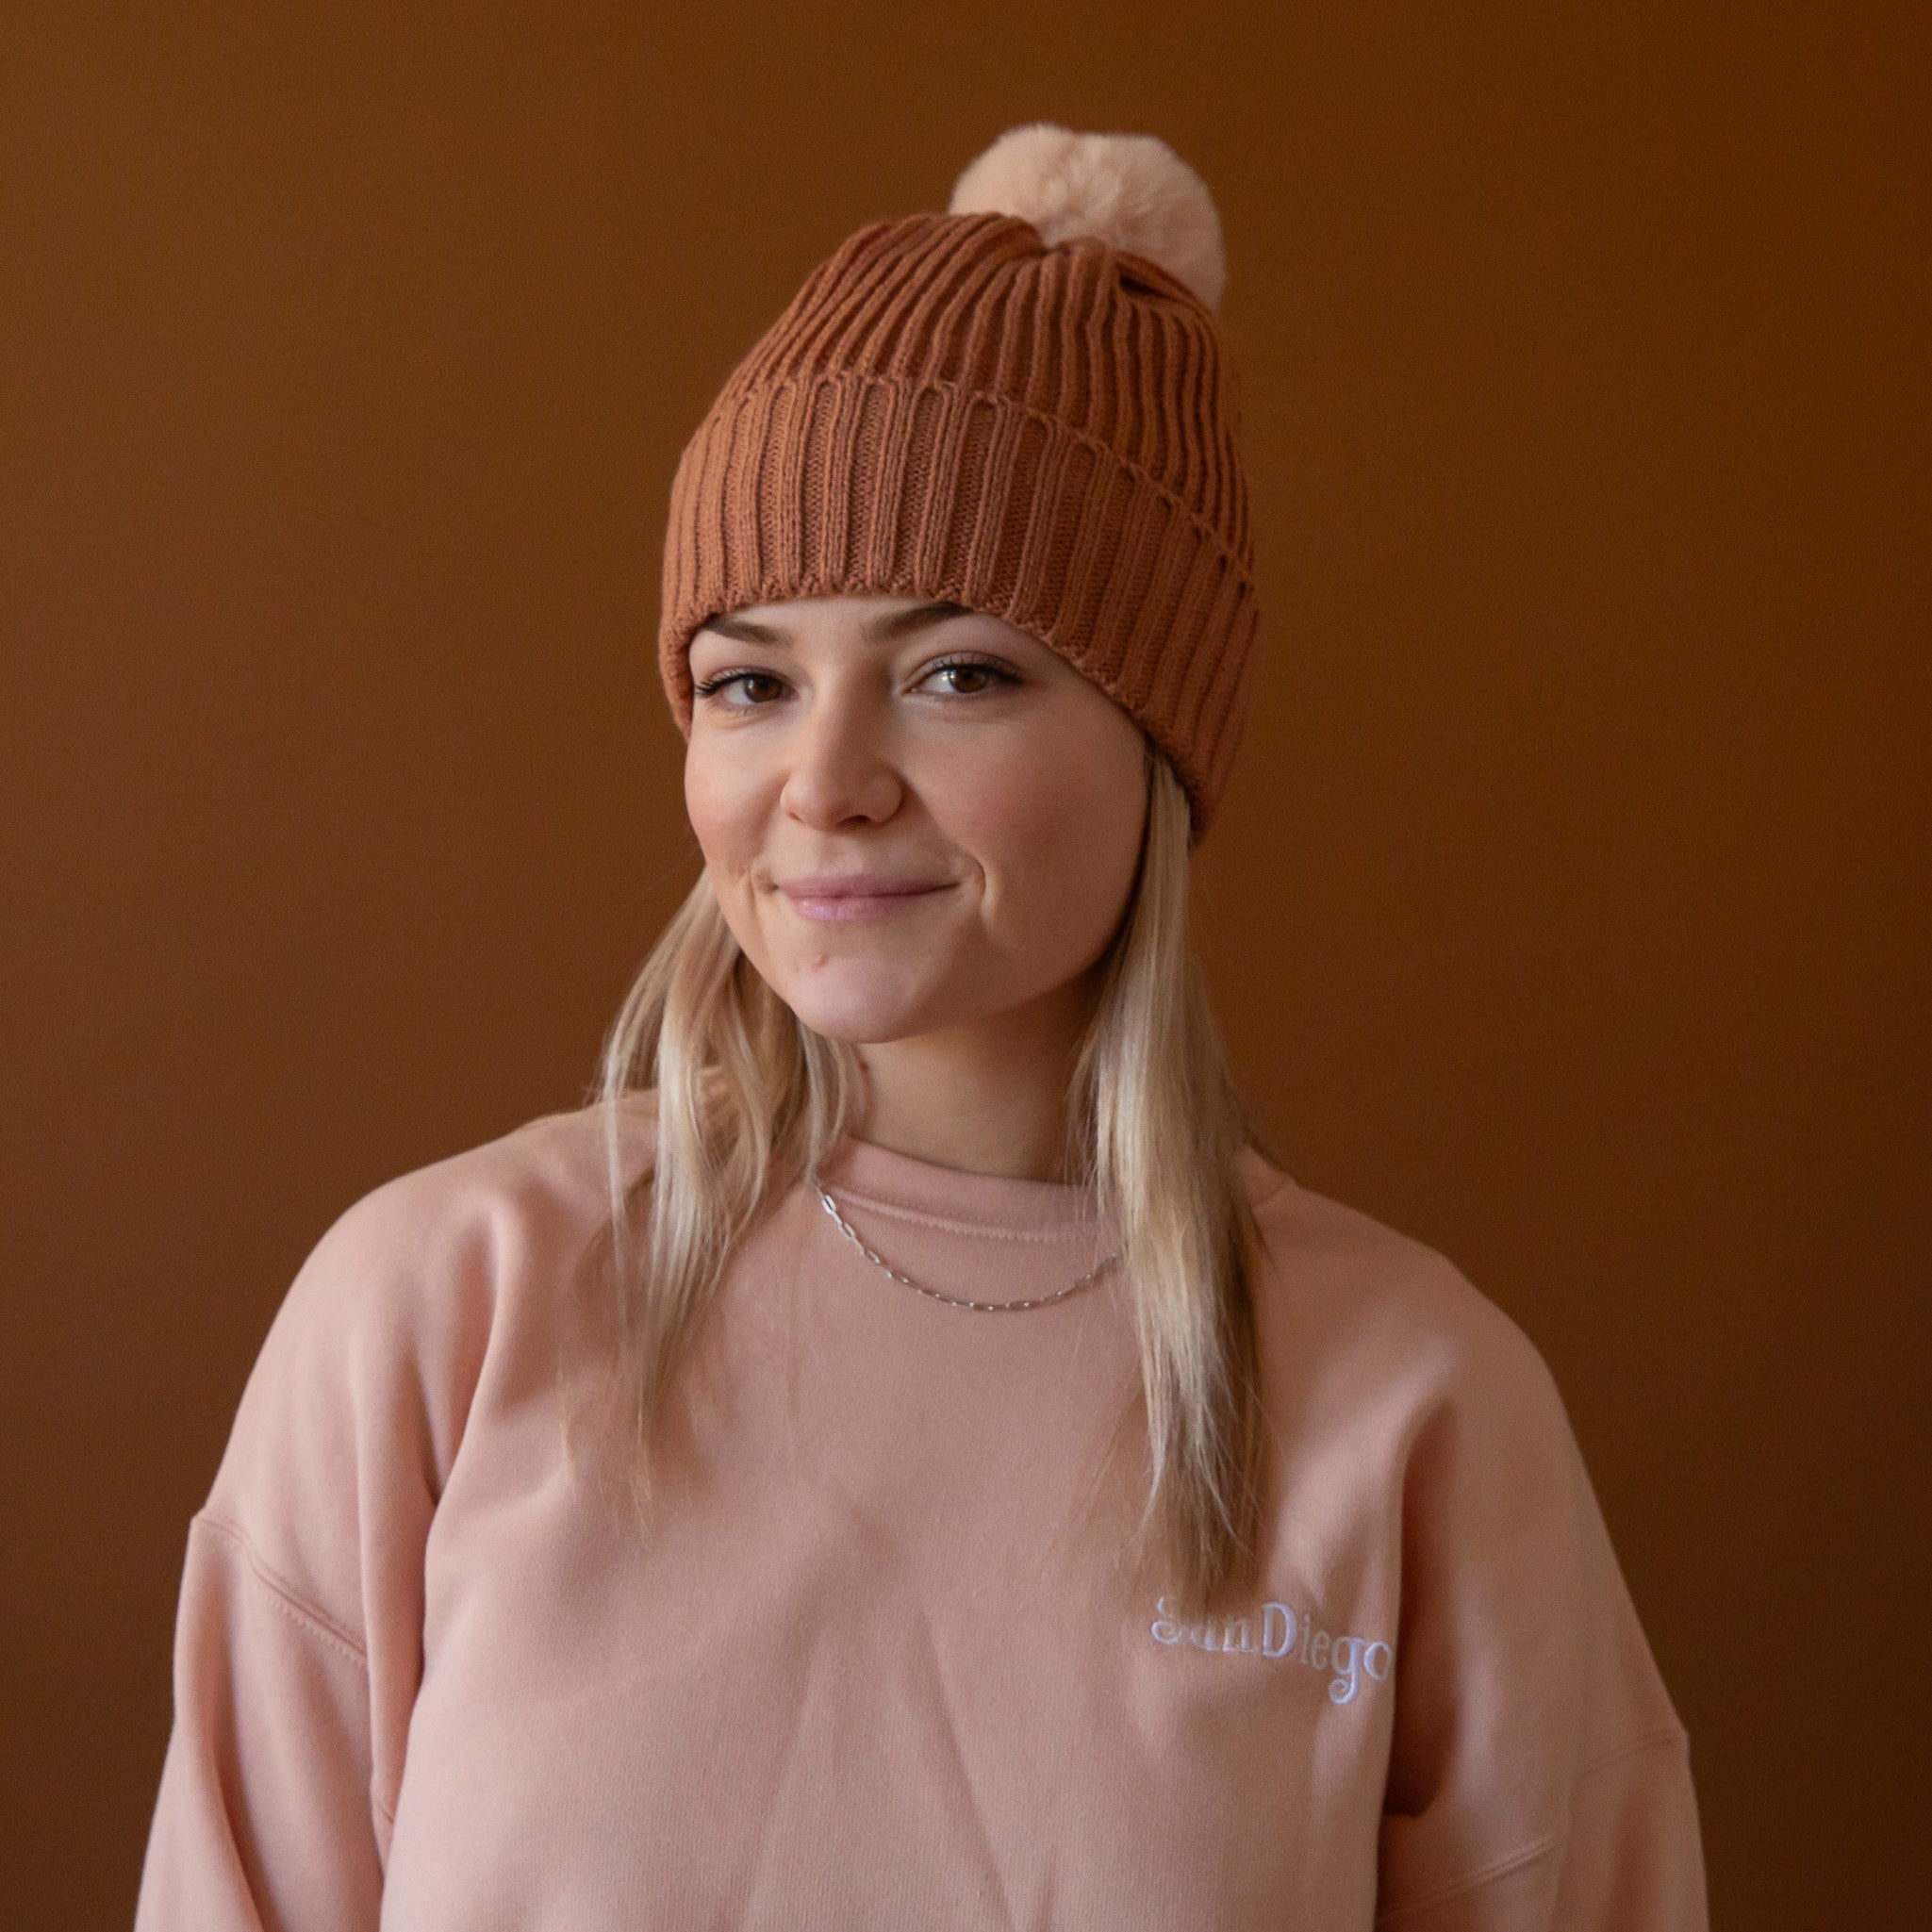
<point x="1024" y="405"/>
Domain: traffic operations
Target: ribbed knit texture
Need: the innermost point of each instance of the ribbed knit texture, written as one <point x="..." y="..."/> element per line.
<point x="948" y="409"/>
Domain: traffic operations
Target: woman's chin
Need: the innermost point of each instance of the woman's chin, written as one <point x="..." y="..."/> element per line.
<point x="861" y="1006"/>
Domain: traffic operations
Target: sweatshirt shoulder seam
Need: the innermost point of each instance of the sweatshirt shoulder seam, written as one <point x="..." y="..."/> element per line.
<point x="1660" y="1734"/>
<point x="1280" y="1182"/>
<point x="1514" y="1861"/>
<point x="1475" y="1881"/>
<point x="297" y="1608"/>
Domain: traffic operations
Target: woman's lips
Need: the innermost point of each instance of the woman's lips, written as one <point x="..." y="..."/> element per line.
<point x="854" y="897"/>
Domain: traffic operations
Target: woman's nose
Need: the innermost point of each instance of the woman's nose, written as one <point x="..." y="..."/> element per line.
<point x="840" y="773"/>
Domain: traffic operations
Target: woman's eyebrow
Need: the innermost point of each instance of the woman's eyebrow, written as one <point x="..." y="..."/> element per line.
<point x="743" y="630"/>
<point x="896" y="623"/>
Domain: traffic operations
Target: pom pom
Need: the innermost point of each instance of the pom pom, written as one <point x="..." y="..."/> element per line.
<point x="1130" y="189"/>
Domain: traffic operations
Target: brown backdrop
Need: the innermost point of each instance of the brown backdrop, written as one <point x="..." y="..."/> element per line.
<point x="1568" y="910"/>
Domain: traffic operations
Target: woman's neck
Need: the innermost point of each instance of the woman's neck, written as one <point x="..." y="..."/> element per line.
<point x="989" y="1097"/>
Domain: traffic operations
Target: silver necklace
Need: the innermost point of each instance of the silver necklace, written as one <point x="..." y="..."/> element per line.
<point x="852" y="1234"/>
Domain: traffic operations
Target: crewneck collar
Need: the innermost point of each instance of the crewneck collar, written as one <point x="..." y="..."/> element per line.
<point x="954" y="1198"/>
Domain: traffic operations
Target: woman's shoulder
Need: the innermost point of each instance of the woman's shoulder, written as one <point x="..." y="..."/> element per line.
<point x="412" y="1277"/>
<point x="560" y="1154"/>
<point x="380" y="1340"/>
<point x="1338" y="1289"/>
<point x="421" y="1293"/>
<point x="546" y="1173"/>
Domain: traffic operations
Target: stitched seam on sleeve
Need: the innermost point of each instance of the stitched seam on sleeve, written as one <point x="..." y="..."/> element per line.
<point x="1476" y="1880"/>
<point x="316" y="1623"/>
<point x="1282" y="1179"/>
<point x="1663" y="1734"/>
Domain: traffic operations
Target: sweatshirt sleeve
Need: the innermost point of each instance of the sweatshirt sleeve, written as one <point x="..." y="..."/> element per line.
<point x="1539" y="1776"/>
<point x="298" y="1644"/>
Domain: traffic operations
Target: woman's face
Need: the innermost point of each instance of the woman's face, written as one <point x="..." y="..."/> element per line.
<point x="915" y="816"/>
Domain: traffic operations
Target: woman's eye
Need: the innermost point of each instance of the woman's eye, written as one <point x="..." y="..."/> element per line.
<point x="743" y="688"/>
<point x="746" y="691"/>
<point x="966" y="680"/>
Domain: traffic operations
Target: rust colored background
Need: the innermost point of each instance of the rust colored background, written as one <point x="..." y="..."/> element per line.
<point x="1569" y="908"/>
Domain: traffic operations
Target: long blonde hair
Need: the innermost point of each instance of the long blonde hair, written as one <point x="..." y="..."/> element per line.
<point x="750" y="1098"/>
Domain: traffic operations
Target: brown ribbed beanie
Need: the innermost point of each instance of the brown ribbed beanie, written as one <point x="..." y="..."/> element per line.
<point x="1011" y="411"/>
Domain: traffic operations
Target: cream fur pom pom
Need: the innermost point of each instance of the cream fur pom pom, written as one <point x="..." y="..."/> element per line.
<point x="1130" y="189"/>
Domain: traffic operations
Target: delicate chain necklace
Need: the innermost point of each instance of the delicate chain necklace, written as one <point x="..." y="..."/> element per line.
<point x="852" y="1234"/>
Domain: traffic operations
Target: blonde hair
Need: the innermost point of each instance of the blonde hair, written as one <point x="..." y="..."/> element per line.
<point x="748" y="1100"/>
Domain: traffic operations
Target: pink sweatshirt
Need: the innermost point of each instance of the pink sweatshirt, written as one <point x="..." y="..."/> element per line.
<point x="879" y="1659"/>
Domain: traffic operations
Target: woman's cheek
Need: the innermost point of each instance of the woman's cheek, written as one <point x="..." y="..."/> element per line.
<point x="721" y="803"/>
<point x="1058" y="838"/>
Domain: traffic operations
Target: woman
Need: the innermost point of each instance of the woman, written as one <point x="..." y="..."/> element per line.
<point x="903" y="1457"/>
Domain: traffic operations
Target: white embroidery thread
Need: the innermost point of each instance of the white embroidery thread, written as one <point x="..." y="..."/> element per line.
<point x="1288" y="1634"/>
